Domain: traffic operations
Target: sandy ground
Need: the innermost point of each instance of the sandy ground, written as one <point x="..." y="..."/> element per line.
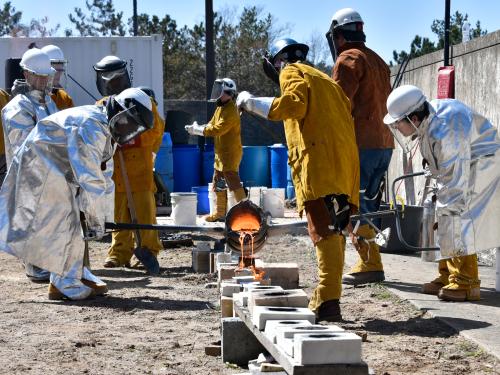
<point x="160" y="325"/>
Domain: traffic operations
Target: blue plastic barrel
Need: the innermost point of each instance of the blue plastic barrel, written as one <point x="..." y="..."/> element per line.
<point x="254" y="167"/>
<point x="186" y="167"/>
<point x="203" y="205"/>
<point x="207" y="164"/>
<point x="290" y="190"/>
<point x="164" y="163"/>
<point x="279" y="161"/>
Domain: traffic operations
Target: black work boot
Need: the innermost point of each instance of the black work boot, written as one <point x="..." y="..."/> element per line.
<point x="329" y="311"/>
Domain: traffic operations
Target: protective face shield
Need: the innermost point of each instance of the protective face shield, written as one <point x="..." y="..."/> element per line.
<point x="220" y="86"/>
<point x="401" y="102"/>
<point x="39" y="83"/>
<point x="58" y="62"/>
<point x="282" y="52"/>
<point x="111" y="75"/>
<point x="37" y="70"/>
<point x="350" y="23"/>
<point x="135" y="117"/>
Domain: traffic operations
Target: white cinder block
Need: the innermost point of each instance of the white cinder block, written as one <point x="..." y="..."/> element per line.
<point x="327" y="348"/>
<point x="243" y="279"/>
<point x="285" y="298"/>
<point x="241" y="298"/>
<point x="273" y="325"/>
<point x="261" y="314"/>
<point x="257" y="286"/>
<point x="285" y="335"/>
<point x="228" y="289"/>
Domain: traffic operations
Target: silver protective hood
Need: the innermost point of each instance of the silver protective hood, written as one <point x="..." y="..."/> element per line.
<point x="463" y="151"/>
<point x="20" y="116"/>
<point x="56" y="175"/>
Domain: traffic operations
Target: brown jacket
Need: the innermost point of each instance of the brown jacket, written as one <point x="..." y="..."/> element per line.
<point x="364" y="77"/>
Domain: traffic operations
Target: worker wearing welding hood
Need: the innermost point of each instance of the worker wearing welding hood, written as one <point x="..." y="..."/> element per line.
<point x="112" y="78"/>
<point x="30" y="103"/>
<point x="463" y="151"/>
<point x="57" y="178"/>
<point x="225" y="128"/>
<point x="364" y="77"/>
<point x="323" y="157"/>
<point x="58" y="94"/>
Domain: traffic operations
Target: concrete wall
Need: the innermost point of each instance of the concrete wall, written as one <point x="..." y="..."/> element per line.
<point x="477" y="84"/>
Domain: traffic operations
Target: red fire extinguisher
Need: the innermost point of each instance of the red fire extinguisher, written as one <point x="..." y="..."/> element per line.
<point x="446" y="82"/>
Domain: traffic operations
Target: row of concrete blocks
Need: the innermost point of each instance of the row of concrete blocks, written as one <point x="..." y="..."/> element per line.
<point x="287" y="321"/>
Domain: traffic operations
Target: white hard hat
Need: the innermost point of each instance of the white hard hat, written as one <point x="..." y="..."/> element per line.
<point x="136" y="94"/>
<point x="345" y="16"/>
<point x="228" y="84"/>
<point x="403" y="101"/>
<point x="36" y="61"/>
<point x="56" y="55"/>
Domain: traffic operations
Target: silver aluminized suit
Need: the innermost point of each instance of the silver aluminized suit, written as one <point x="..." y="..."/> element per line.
<point x="463" y="151"/>
<point x="20" y="116"/>
<point x="55" y="175"/>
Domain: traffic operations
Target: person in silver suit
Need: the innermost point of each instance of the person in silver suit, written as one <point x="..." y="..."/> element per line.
<point x="462" y="149"/>
<point x="31" y="102"/>
<point x="58" y="177"/>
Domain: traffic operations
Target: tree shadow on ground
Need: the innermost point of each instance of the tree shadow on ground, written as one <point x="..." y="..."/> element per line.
<point x="138" y="303"/>
<point x="168" y="273"/>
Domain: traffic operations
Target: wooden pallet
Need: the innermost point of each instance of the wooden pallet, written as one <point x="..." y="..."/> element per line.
<point x="287" y="362"/>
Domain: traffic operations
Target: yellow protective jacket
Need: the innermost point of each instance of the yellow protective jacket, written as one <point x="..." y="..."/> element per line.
<point x="319" y="130"/>
<point x="138" y="155"/>
<point x="224" y="126"/>
<point x="62" y="99"/>
<point x="4" y="99"/>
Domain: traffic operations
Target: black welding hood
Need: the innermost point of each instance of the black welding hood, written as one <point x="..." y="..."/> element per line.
<point x="111" y="75"/>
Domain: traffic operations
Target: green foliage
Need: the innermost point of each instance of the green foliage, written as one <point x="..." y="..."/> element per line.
<point x="9" y="19"/>
<point x="422" y="46"/>
<point x="103" y="20"/>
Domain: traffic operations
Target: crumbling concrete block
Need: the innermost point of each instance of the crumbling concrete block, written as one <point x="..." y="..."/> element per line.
<point x="239" y="344"/>
<point x="228" y="289"/>
<point x="226" y="307"/>
<point x="200" y="261"/>
<point x="261" y="314"/>
<point x="285" y="275"/>
<point x="327" y="348"/>
<point x="273" y="325"/>
<point x="285" y="298"/>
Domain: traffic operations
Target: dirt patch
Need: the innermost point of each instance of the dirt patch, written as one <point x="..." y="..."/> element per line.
<point x="160" y="325"/>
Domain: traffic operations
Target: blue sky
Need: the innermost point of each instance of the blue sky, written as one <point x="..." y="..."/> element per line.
<point x="389" y="24"/>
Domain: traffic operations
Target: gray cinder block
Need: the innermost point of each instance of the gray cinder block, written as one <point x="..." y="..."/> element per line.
<point x="239" y="344"/>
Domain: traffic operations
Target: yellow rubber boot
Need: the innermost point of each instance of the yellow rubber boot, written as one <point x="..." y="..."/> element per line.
<point x="464" y="280"/>
<point x="220" y="207"/>
<point x="239" y="194"/>
<point x="370" y="270"/>
<point x="330" y="256"/>
<point x="443" y="279"/>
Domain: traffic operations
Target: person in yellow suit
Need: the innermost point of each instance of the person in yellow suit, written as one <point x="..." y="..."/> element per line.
<point x="58" y="62"/>
<point x="323" y="157"/>
<point x="4" y="99"/>
<point x="139" y="155"/>
<point x="225" y="128"/>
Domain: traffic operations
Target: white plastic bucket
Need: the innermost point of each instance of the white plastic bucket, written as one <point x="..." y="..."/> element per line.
<point x="212" y="199"/>
<point x="255" y="194"/>
<point x="231" y="201"/>
<point x="184" y="208"/>
<point x="273" y="201"/>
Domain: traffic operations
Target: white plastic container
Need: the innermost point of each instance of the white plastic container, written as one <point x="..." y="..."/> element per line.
<point x="231" y="201"/>
<point x="212" y="199"/>
<point x="273" y="201"/>
<point x="184" y="208"/>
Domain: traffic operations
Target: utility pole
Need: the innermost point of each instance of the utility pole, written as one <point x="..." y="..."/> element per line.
<point x="209" y="46"/>
<point x="134" y="18"/>
<point x="447" y="33"/>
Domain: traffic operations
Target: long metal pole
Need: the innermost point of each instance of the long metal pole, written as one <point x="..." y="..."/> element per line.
<point x="209" y="46"/>
<point x="134" y="18"/>
<point x="447" y="32"/>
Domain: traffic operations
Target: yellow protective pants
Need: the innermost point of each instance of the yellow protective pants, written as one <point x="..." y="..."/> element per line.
<point x="122" y="245"/>
<point x="460" y="273"/>
<point x="374" y="262"/>
<point x="330" y="256"/>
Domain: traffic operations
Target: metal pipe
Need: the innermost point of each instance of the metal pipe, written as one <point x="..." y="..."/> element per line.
<point x="134" y="18"/>
<point x="447" y="32"/>
<point x="209" y="46"/>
